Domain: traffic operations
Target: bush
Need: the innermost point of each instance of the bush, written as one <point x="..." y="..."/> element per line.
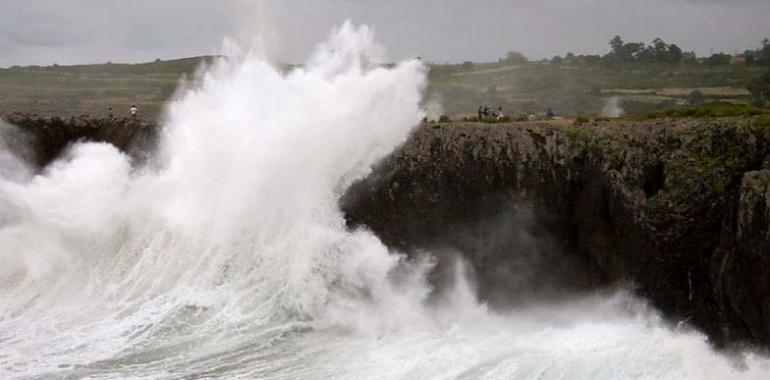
<point x="718" y="59"/>
<point x="632" y="107"/>
<point x="580" y="120"/>
<point x="760" y="90"/>
<point x="715" y="109"/>
<point x="444" y="119"/>
<point x="515" y="58"/>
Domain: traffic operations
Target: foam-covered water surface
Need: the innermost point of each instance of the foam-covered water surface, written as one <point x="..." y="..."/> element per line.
<point x="228" y="257"/>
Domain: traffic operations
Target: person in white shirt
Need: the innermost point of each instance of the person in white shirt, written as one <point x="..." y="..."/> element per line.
<point x="133" y="110"/>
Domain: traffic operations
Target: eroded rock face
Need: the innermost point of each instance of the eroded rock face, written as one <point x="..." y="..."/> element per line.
<point x="743" y="273"/>
<point x="679" y="209"/>
<point x="676" y="208"/>
<point x="47" y="137"/>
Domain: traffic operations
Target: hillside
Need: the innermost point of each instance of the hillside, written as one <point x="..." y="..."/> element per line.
<point x="568" y="89"/>
<point x="92" y="89"/>
<point x="584" y="89"/>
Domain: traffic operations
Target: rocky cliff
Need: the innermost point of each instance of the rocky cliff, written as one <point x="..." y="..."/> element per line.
<point x="47" y="137"/>
<point x="678" y="209"/>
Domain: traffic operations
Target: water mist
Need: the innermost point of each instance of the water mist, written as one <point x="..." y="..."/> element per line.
<point x="228" y="256"/>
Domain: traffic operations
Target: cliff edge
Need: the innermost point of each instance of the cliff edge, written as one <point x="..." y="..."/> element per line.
<point x="678" y="208"/>
<point x="47" y="137"/>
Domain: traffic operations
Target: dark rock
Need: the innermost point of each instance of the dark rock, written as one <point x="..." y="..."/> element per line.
<point x="679" y="209"/>
<point x="50" y="136"/>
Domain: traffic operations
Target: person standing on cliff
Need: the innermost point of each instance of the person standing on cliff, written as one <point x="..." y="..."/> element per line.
<point x="133" y="110"/>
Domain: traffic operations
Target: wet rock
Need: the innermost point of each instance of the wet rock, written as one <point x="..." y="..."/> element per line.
<point x="677" y="208"/>
<point x="50" y="136"/>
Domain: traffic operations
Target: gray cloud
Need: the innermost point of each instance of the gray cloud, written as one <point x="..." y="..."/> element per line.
<point x="48" y="31"/>
<point x="72" y="31"/>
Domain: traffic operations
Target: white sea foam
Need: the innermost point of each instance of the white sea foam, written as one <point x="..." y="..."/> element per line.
<point x="229" y="256"/>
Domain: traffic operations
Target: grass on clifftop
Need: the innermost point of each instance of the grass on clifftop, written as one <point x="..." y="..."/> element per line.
<point x="715" y="109"/>
<point x="533" y="88"/>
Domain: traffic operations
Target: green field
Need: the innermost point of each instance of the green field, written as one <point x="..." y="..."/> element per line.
<point x="584" y="89"/>
<point x="460" y="89"/>
<point x="92" y="89"/>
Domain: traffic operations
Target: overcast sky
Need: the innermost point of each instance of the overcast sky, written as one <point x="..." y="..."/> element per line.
<point x="85" y="31"/>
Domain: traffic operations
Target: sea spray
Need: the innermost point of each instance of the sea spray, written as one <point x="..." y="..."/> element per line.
<point x="243" y="208"/>
<point x="612" y="107"/>
<point x="229" y="257"/>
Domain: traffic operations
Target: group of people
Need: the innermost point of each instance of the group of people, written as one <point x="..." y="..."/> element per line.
<point x="488" y="113"/>
<point x="133" y="111"/>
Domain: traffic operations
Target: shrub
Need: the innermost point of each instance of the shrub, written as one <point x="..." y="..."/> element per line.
<point x="760" y="90"/>
<point x="515" y="58"/>
<point x="580" y="120"/>
<point x="444" y="119"/>
<point x="715" y="109"/>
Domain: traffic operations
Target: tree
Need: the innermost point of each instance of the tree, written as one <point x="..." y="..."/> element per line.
<point x="675" y="53"/>
<point x="659" y="51"/>
<point x="760" y="89"/>
<point x="660" y="48"/>
<point x="616" y="43"/>
<point x="689" y="57"/>
<point x="515" y="58"/>
<point x="630" y="50"/>
<point x="763" y="54"/>
<point x="719" y="59"/>
<point x="760" y="56"/>
<point x="467" y="65"/>
<point x="591" y="59"/>
<point x="647" y="54"/>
